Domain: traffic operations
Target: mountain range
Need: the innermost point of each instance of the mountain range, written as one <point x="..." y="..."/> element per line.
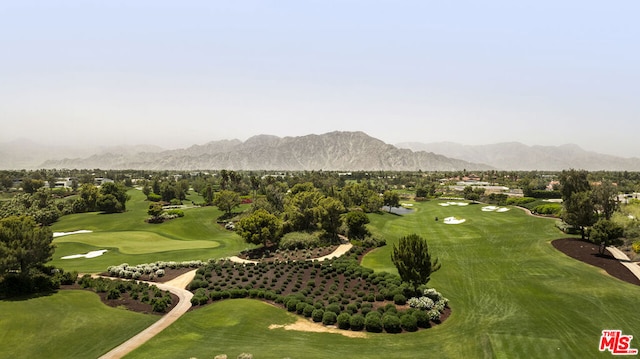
<point x="517" y="156"/>
<point x="339" y="151"/>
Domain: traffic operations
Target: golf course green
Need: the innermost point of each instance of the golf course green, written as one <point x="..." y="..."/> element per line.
<point x="511" y="293"/>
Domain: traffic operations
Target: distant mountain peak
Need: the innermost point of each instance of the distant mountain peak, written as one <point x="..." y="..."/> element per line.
<point x="337" y="150"/>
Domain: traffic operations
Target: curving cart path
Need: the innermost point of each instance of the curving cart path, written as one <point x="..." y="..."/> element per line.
<point x="176" y="286"/>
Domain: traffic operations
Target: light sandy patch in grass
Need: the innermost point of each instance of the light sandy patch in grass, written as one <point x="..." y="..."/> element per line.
<point x="454" y="220"/>
<point x="60" y="234"/>
<point x="91" y="254"/>
<point x="304" y="325"/>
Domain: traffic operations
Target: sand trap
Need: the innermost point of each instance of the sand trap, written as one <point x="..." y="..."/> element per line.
<point x="91" y="254"/>
<point x="494" y="209"/>
<point x="453" y="220"/>
<point x="446" y="204"/>
<point x="304" y="325"/>
<point x="60" y="234"/>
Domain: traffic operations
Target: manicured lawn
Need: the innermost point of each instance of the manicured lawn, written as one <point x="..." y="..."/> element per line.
<point x="511" y="293"/>
<point x="68" y="324"/>
<point x="129" y="239"/>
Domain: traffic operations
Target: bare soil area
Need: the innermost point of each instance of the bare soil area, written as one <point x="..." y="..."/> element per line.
<point x="588" y="252"/>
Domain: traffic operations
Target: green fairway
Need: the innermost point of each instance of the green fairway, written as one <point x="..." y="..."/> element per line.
<point x="512" y="296"/>
<point x="129" y="239"/>
<point x="68" y="324"/>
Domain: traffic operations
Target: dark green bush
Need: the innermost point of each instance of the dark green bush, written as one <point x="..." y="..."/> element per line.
<point x="198" y="283"/>
<point x="422" y="319"/>
<point x="409" y="323"/>
<point x="391" y="323"/>
<point x="317" y="315"/>
<point x="292" y="304"/>
<point x="334" y="307"/>
<point x="357" y="322"/>
<point x="113" y="293"/>
<point x="399" y="299"/>
<point x="329" y="318"/>
<point x="373" y="323"/>
<point x="308" y="310"/>
<point x="344" y="320"/>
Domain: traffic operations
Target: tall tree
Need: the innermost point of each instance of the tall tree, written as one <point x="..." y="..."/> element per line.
<point x="413" y="260"/>
<point x="391" y="199"/>
<point x="329" y="214"/>
<point x="226" y="201"/>
<point x="579" y="211"/>
<point x="573" y="181"/>
<point x="577" y="200"/>
<point x="207" y="194"/>
<point x="113" y="197"/>
<point x="23" y="244"/>
<point x="260" y="227"/>
<point x="605" y="233"/>
<point x="356" y="221"/>
<point x="301" y="210"/>
<point x="605" y="198"/>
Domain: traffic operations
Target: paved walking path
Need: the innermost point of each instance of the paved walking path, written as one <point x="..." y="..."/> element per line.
<point x="176" y="286"/>
<point x="619" y="255"/>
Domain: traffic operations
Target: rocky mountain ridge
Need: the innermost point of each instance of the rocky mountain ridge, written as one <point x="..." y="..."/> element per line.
<point x="517" y="156"/>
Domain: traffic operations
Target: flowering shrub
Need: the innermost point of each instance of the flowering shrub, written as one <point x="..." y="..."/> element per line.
<point x="432" y="302"/>
<point x="423" y="303"/>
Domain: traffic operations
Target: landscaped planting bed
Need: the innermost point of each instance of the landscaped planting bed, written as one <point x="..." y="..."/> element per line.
<point x="133" y="295"/>
<point x="335" y="292"/>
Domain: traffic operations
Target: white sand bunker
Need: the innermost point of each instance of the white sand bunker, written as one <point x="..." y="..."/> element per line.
<point x="91" y="254"/>
<point x="60" y="234"/>
<point x="494" y="209"/>
<point x="446" y="204"/>
<point x="453" y="220"/>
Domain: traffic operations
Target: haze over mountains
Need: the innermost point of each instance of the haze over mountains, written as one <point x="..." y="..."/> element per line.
<point x="518" y="156"/>
<point x="348" y="151"/>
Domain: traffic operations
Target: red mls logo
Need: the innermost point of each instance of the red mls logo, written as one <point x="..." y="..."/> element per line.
<point x="617" y="343"/>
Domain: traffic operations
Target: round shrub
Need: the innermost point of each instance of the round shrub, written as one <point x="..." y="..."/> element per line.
<point x="352" y="308"/>
<point x="400" y="299"/>
<point x="198" y="283"/>
<point x="317" y="315"/>
<point x="409" y="323"/>
<point x="300" y="307"/>
<point x="334" y="307"/>
<point x="292" y="304"/>
<point x="160" y="305"/>
<point x="329" y="318"/>
<point x="308" y="310"/>
<point x="357" y="322"/>
<point x="373" y="323"/>
<point x="343" y="320"/>
<point x="422" y="319"/>
<point x="391" y="323"/>
<point x="113" y="293"/>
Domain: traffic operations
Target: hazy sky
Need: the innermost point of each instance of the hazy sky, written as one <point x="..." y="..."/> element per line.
<point x="176" y="73"/>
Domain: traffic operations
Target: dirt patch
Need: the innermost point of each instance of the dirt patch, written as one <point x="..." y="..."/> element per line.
<point x="588" y="253"/>
<point x="305" y="325"/>
<point x="272" y="253"/>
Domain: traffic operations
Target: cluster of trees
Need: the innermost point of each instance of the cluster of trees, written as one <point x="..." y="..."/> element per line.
<point x="307" y="208"/>
<point x="25" y="246"/>
<point x="590" y="207"/>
